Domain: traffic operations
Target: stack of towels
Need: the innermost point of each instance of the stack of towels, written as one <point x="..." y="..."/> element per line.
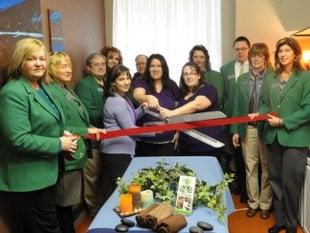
<point x="161" y="218"/>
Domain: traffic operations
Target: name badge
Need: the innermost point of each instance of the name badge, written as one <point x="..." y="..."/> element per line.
<point x="232" y="76"/>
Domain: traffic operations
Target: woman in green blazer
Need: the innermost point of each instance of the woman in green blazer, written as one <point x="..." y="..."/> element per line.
<point x="200" y="55"/>
<point x="69" y="185"/>
<point x="287" y="92"/>
<point x="90" y="91"/>
<point x="247" y="99"/>
<point x="31" y="139"/>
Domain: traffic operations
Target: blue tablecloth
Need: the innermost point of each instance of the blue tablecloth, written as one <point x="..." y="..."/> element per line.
<point x="206" y="168"/>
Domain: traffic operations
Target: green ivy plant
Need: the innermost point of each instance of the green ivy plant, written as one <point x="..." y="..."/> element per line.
<point x="163" y="181"/>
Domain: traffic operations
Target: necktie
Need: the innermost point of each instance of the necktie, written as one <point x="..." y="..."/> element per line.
<point x="253" y="100"/>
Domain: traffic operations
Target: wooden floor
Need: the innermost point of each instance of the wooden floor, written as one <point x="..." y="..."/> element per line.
<point x="237" y="221"/>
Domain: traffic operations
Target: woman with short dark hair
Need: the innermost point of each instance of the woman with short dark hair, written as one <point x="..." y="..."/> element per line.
<point x="118" y="113"/>
<point x="247" y="100"/>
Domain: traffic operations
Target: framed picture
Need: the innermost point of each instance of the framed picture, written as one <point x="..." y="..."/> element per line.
<point x="18" y="19"/>
<point x="55" y="31"/>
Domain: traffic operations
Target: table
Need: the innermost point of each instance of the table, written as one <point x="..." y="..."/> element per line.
<point x="206" y="168"/>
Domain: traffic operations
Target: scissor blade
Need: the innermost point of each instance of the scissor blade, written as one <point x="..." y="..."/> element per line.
<point x="204" y="138"/>
<point x="189" y="117"/>
<point x="201" y="116"/>
<point x="154" y="114"/>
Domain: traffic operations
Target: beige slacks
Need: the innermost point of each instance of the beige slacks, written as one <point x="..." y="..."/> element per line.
<point x="255" y="153"/>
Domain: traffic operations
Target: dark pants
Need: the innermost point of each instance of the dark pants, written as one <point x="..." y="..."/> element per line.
<point x="233" y="156"/>
<point x="114" y="166"/>
<point x="65" y="219"/>
<point x="240" y="171"/>
<point x="150" y="149"/>
<point x="32" y="211"/>
<point x="287" y="166"/>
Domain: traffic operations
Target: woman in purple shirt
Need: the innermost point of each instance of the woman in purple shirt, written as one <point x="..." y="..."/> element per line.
<point x="197" y="96"/>
<point x="157" y="90"/>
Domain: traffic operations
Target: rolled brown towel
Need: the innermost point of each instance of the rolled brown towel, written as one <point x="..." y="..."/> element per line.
<point x="157" y="215"/>
<point x="172" y="224"/>
<point x="141" y="218"/>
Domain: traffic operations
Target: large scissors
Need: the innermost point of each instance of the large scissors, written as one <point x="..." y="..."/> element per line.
<point x="191" y="118"/>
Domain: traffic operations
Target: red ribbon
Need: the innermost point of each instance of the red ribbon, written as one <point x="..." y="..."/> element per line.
<point x="179" y="126"/>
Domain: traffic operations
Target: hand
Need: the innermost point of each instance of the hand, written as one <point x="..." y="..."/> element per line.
<point x="97" y="132"/>
<point x="68" y="143"/>
<point x="165" y="113"/>
<point x="253" y="115"/>
<point x="145" y="106"/>
<point x="67" y="133"/>
<point x="274" y="121"/>
<point x="152" y="102"/>
<point x="235" y="140"/>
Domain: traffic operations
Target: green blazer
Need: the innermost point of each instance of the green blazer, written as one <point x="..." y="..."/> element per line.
<point x="76" y="117"/>
<point x="91" y="94"/>
<point x="216" y="79"/>
<point x="29" y="138"/>
<point x="241" y="104"/>
<point x="292" y="105"/>
<point x="228" y="74"/>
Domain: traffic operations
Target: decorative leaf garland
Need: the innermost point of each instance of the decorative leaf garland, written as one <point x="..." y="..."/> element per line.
<point x="163" y="181"/>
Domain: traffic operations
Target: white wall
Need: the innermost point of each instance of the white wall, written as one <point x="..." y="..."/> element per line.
<point x="259" y="20"/>
<point x="270" y="20"/>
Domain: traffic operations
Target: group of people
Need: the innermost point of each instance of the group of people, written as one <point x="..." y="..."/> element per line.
<point x="274" y="152"/>
<point x="45" y="155"/>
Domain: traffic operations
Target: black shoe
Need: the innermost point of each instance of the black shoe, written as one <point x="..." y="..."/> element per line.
<point x="276" y="229"/>
<point x="251" y="212"/>
<point x="264" y="214"/>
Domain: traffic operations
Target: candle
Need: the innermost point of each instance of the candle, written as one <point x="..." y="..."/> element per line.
<point x="146" y="198"/>
<point x="135" y="190"/>
<point x="125" y="203"/>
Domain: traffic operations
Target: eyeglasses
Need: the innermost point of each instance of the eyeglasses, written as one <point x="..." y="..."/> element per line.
<point x="96" y="65"/>
<point x="241" y="49"/>
<point x="190" y="74"/>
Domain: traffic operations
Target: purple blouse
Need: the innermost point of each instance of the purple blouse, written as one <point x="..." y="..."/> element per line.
<point x="119" y="113"/>
<point x="188" y="143"/>
<point x="167" y="98"/>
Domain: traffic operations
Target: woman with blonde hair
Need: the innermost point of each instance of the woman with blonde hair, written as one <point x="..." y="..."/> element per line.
<point x="69" y="185"/>
<point x="31" y="141"/>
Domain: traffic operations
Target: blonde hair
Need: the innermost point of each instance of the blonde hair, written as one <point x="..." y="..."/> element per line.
<point x="22" y="50"/>
<point x="55" y="59"/>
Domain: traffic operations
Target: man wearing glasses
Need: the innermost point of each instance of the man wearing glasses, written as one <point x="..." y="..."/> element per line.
<point x="230" y="72"/>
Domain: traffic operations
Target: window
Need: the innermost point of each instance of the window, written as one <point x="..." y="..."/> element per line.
<point x="168" y="27"/>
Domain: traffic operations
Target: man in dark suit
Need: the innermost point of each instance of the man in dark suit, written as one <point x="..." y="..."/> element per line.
<point x="230" y="72"/>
